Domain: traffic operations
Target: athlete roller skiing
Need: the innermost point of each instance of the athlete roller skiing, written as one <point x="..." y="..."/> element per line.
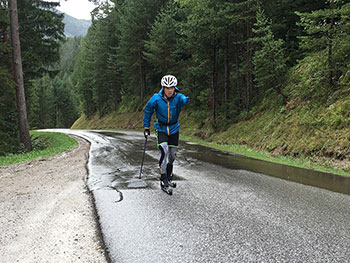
<point x="167" y="104"/>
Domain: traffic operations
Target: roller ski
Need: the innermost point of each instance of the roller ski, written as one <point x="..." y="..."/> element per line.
<point x="164" y="185"/>
<point x="166" y="189"/>
<point x="172" y="184"/>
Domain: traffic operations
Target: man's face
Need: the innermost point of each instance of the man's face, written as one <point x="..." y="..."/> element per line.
<point x="169" y="92"/>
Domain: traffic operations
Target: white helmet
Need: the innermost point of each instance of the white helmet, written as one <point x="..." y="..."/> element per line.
<point x="168" y="81"/>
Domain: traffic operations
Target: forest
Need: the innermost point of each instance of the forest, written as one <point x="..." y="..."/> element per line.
<point x="277" y="66"/>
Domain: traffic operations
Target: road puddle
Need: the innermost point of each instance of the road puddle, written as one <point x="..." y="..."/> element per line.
<point x="311" y="177"/>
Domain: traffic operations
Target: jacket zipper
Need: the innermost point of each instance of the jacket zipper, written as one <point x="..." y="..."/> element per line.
<point x="168" y="117"/>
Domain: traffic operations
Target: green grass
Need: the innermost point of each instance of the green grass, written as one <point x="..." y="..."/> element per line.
<point x="45" y="144"/>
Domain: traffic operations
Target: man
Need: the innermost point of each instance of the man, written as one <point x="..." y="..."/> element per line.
<point x="167" y="104"/>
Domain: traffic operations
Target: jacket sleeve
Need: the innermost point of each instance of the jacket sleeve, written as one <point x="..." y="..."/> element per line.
<point x="184" y="100"/>
<point x="149" y="110"/>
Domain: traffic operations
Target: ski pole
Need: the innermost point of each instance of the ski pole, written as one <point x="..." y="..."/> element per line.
<point x="143" y="157"/>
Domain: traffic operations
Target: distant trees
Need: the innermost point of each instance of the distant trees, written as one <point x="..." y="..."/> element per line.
<point x="53" y="99"/>
<point x="96" y="76"/>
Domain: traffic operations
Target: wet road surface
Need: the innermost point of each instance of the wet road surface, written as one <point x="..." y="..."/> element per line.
<point x="219" y="212"/>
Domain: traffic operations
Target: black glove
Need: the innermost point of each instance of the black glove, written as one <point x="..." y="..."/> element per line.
<point x="146" y="132"/>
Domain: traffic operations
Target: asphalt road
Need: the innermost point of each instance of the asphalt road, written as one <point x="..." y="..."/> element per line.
<point x="216" y="214"/>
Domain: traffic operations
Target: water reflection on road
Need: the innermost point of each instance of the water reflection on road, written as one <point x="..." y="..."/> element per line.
<point x="116" y="156"/>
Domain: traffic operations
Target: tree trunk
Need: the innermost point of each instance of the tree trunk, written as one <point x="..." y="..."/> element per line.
<point x="249" y="73"/>
<point x="57" y="119"/>
<point x="18" y="77"/>
<point x="163" y="3"/>
<point x="5" y="37"/>
<point x="214" y="85"/>
<point x="239" y="87"/>
<point x="330" y="47"/>
<point x="227" y="71"/>
<point x="278" y="89"/>
<point x="142" y="77"/>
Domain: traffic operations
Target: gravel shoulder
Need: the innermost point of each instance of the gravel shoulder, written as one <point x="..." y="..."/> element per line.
<point x="47" y="213"/>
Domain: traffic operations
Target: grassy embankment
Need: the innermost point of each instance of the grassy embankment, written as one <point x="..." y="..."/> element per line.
<point x="45" y="144"/>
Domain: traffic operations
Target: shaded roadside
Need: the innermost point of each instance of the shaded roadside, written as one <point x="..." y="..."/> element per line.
<point x="48" y="213"/>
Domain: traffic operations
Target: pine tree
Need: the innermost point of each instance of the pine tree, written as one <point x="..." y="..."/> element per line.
<point x="136" y="20"/>
<point x="41" y="104"/>
<point x="163" y="49"/>
<point x="18" y="77"/>
<point x="269" y="60"/>
<point x="9" y="142"/>
<point x="82" y="77"/>
<point x="41" y="32"/>
<point x="64" y="111"/>
<point x="284" y="26"/>
<point x="105" y="84"/>
<point x="96" y="75"/>
<point x="326" y="28"/>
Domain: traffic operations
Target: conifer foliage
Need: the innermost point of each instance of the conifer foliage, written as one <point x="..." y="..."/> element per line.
<point x="269" y="59"/>
<point x="327" y="31"/>
<point x="228" y="55"/>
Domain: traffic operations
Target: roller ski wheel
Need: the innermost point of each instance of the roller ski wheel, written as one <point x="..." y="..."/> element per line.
<point x="166" y="189"/>
<point x="172" y="184"/>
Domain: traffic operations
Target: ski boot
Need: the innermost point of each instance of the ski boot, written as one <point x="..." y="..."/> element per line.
<point x="164" y="184"/>
<point x="169" y="172"/>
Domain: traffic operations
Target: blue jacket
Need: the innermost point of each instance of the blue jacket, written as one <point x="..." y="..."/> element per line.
<point x="167" y="111"/>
